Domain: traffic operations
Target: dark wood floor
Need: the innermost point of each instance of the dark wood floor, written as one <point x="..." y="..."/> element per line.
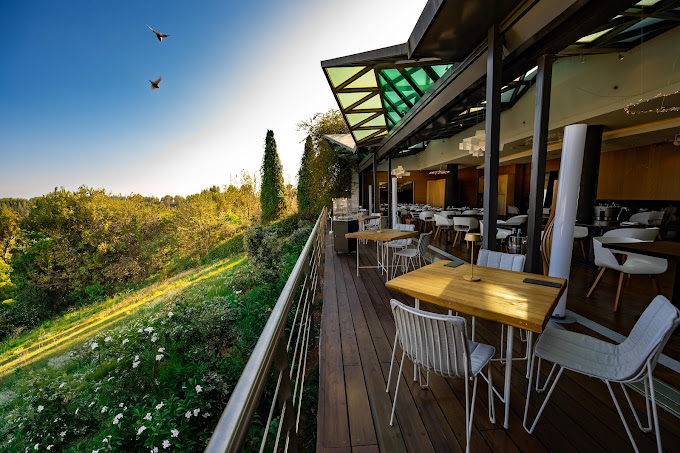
<point x="357" y="331"/>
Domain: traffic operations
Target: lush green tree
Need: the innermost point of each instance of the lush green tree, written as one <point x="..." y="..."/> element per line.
<point x="9" y="228"/>
<point x="330" y="172"/>
<point x="304" y="188"/>
<point x="273" y="191"/>
<point x="6" y="286"/>
<point x="21" y="206"/>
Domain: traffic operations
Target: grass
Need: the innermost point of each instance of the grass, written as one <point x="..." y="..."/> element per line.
<point x="55" y="336"/>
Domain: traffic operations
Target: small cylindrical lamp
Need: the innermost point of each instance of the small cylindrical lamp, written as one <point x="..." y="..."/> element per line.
<point x="474" y="238"/>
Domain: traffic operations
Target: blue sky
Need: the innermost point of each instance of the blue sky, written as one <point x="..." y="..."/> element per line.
<point x="76" y="106"/>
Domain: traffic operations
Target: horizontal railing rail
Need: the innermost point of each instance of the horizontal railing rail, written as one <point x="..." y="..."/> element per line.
<point x="288" y="356"/>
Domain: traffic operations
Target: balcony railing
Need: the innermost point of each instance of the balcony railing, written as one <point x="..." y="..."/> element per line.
<point x="285" y="351"/>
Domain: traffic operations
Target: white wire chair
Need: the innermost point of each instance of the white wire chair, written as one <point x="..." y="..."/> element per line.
<point x="408" y="256"/>
<point x="438" y="343"/>
<point x="631" y="361"/>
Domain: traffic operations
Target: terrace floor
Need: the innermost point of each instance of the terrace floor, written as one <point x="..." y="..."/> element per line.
<point x="357" y="331"/>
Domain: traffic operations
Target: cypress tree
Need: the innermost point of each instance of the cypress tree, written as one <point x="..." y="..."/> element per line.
<point x="304" y="188"/>
<point x="272" y="191"/>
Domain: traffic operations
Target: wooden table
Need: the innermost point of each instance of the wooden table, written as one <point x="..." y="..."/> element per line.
<point x="659" y="249"/>
<point x="380" y="236"/>
<point x="500" y="296"/>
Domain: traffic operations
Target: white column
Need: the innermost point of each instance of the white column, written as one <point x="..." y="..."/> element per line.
<point x="394" y="202"/>
<point x="565" y="209"/>
<point x="370" y="199"/>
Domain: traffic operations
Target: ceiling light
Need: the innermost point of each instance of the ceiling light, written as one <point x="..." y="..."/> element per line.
<point x="621" y="56"/>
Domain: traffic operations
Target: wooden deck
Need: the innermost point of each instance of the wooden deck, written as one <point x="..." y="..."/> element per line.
<point x="357" y="332"/>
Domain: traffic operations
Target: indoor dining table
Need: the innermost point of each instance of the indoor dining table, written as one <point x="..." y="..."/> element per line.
<point x="516" y="299"/>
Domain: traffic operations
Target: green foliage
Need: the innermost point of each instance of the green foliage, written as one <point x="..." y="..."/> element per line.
<point x="9" y="229"/>
<point x="305" y="189"/>
<point x="21" y="206"/>
<point x="162" y="377"/>
<point x="6" y="286"/>
<point x="330" y="172"/>
<point x="273" y="191"/>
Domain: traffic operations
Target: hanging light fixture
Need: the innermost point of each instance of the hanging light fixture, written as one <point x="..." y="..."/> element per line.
<point x="440" y="171"/>
<point x="400" y="172"/>
<point x="475" y="145"/>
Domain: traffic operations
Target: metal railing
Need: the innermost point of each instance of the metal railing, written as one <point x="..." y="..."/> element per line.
<point x="287" y="355"/>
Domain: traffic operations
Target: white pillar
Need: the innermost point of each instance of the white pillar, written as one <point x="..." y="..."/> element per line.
<point x="370" y="199"/>
<point x="565" y="209"/>
<point x="394" y="202"/>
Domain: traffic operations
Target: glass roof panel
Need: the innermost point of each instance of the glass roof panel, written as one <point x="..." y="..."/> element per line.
<point x="347" y="99"/>
<point x="647" y="2"/>
<point x="507" y="96"/>
<point x="339" y="75"/>
<point x="643" y="23"/>
<point x="354" y="118"/>
<point x="365" y="81"/>
<point x="420" y="78"/>
<point x="377" y="121"/>
<point x="364" y="133"/>
<point x="372" y="103"/>
<point x="440" y="69"/>
<point x="593" y="36"/>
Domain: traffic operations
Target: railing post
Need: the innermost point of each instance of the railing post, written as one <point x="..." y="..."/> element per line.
<point x="286" y="395"/>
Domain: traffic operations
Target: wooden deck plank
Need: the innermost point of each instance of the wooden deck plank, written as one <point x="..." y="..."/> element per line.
<point x="579" y="417"/>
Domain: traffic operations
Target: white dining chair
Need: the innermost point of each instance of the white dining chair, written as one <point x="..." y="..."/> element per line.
<point x="501" y="233"/>
<point x="648" y="217"/>
<point x="631" y="361"/>
<point x="580" y="235"/>
<point x="400" y="244"/>
<point x="634" y="263"/>
<point x="442" y="223"/>
<point x="412" y="255"/>
<point x="464" y="225"/>
<point x="438" y="344"/>
<point x="513" y="210"/>
<point x="426" y="219"/>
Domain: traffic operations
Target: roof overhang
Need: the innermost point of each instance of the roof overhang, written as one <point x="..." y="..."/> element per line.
<point x="341" y="141"/>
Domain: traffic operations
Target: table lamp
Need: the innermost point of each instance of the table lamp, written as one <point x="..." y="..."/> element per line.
<point x="472" y="237"/>
<point x="379" y="222"/>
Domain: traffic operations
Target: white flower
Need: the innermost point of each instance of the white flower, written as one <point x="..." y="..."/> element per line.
<point x="107" y="339"/>
<point x="196" y="411"/>
<point x="117" y="418"/>
<point x="95" y="451"/>
<point x="36" y="446"/>
<point x="237" y="292"/>
<point x="62" y="434"/>
<point x="105" y="440"/>
<point x="154" y="450"/>
<point x="141" y="430"/>
<point x="140" y="330"/>
<point x="159" y="357"/>
<point x="170" y="314"/>
<point x="121" y="405"/>
<point x="104" y="409"/>
<point x="94" y="345"/>
<point x="40" y="408"/>
<point x="136" y="358"/>
<point x="62" y="385"/>
<point x="147" y="416"/>
<point x="159" y="405"/>
<point x="166" y="444"/>
<point x="154" y="338"/>
<point x="135" y="364"/>
<point x="49" y="447"/>
<point x="77" y="409"/>
<point x="206" y="414"/>
<point x="148" y="329"/>
<point x="125" y="340"/>
<point x="188" y="415"/>
<point x="175" y="433"/>
<point x="161" y="349"/>
<point x="91" y="404"/>
<point x="199" y="389"/>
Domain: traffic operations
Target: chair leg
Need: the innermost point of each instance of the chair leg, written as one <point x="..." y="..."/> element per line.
<point x="625" y="424"/>
<point x="472" y="337"/>
<point x="389" y="376"/>
<point x="597" y="280"/>
<point x="655" y="284"/>
<point x="469" y="410"/>
<point x="492" y="407"/>
<point x="618" y="292"/>
<point x="583" y="249"/>
<point x="396" y="390"/>
<point x="545" y="401"/>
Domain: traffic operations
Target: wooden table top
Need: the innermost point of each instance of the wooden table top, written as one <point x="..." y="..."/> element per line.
<point x="384" y="235"/>
<point x="660" y="249"/>
<point x="500" y="295"/>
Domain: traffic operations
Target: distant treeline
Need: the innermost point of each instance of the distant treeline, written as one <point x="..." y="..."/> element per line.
<point x="69" y="248"/>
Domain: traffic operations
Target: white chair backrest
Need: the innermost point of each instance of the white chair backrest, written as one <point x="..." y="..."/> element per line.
<point x="643" y="234"/>
<point x="424" y="242"/>
<point x="445" y="213"/>
<point x="426" y="215"/>
<point x="463" y="223"/>
<point x="403" y="227"/>
<point x="436" y="342"/>
<point x="518" y="219"/>
<point x="374" y="222"/>
<point x="648" y="337"/>
<point x="513" y="210"/>
<point x="580" y="232"/>
<point x="500" y="260"/>
<point x="471" y="211"/>
<point x="604" y="257"/>
<point x="648" y="217"/>
<point x="440" y="220"/>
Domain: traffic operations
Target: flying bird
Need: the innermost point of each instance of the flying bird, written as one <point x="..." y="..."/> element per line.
<point x="154" y="83"/>
<point x="160" y="36"/>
